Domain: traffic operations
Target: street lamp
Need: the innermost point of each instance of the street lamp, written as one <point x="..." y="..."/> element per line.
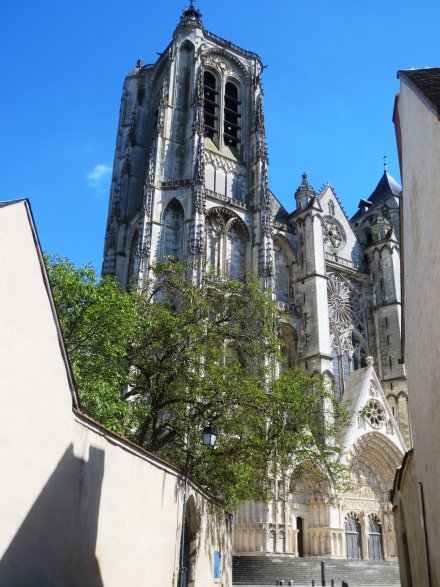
<point x="209" y="436"/>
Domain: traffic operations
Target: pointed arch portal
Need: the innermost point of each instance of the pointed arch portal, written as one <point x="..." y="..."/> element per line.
<point x="380" y="455"/>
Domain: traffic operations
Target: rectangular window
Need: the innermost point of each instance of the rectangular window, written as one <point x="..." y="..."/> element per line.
<point x="217" y="564"/>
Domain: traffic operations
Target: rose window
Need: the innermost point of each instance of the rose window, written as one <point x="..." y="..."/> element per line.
<point x="333" y="234"/>
<point x="339" y="301"/>
<point x="375" y="413"/>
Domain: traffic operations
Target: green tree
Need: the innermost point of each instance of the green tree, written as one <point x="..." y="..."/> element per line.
<point x="160" y="364"/>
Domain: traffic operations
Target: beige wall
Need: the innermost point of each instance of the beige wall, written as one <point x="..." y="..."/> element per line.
<point x="79" y="505"/>
<point x="420" y="130"/>
<point x="411" y="544"/>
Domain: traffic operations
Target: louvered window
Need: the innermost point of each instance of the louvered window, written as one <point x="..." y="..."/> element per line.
<point x="211" y="104"/>
<point x="231" y="123"/>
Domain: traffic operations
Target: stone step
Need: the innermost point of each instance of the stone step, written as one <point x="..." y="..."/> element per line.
<point x="261" y="571"/>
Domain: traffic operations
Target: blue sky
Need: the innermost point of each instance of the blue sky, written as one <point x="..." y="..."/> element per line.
<point x="329" y="94"/>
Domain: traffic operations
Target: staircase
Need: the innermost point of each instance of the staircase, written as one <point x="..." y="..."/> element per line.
<point x="265" y="570"/>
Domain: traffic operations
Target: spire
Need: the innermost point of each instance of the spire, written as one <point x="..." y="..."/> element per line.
<point x="387" y="186"/>
<point x="385" y="163"/>
<point x="304" y="193"/>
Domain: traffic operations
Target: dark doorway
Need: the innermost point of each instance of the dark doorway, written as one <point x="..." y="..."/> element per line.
<point x="374" y="539"/>
<point x="353" y="537"/>
<point x="300" y="528"/>
<point x="185" y="566"/>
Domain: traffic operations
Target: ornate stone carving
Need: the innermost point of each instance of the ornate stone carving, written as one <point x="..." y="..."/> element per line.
<point x="199" y="200"/>
<point x="261" y="148"/>
<point x="267" y="225"/>
<point x="172" y="52"/>
<point x="151" y="169"/>
<point x="199" y="174"/>
<point x="147" y="202"/>
<point x="259" y="115"/>
<point x="265" y="264"/>
<point x="215" y="56"/>
<point x="228" y="165"/>
<point x="144" y="248"/>
<point x="196" y="242"/>
<point x="372" y="390"/>
<point x="334" y="235"/>
<point x="198" y="122"/>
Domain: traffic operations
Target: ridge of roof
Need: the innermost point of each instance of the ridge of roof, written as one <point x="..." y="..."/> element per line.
<point x="11" y="202"/>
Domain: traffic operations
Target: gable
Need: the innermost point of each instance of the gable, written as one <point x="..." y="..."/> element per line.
<point x="339" y="237"/>
<point x="370" y="413"/>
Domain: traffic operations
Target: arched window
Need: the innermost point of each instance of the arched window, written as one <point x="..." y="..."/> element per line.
<point x="227" y="240"/>
<point x="231" y="125"/>
<point x="289" y="346"/>
<point x="374" y="538"/>
<point x="236" y="253"/>
<point x="211" y="104"/>
<point x="172" y="231"/>
<point x="282" y="281"/>
<point x="132" y="258"/>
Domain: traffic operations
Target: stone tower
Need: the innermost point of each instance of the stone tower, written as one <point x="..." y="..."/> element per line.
<point x="190" y="180"/>
<point x="190" y="171"/>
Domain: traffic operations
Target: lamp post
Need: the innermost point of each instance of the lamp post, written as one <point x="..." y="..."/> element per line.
<point x="209" y="437"/>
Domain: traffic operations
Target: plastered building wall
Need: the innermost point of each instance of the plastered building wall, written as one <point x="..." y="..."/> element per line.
<point x="79" y="505"/>
<point x="420" y="131"/>
<point x="411" y="539"/>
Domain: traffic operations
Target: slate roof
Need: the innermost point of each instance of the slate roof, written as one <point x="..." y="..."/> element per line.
<point x="426" y="82"/>
<point x="386" y="186"/>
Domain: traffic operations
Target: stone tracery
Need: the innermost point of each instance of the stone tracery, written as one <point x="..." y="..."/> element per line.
<point x="333" y="234"/>
<point x="346" y="328"/>
<point x="227" y="240"/>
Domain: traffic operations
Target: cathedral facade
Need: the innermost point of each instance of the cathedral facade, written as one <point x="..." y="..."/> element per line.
<point x="190" y="180"/>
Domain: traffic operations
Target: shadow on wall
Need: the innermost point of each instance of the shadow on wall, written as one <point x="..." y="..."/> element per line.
<point x="55" y="545"/>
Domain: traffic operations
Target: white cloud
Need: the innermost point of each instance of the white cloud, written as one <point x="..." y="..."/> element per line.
<point x="98" y="177"/>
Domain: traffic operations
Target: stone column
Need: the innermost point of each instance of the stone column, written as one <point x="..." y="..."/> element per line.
<point x="364" y="536"/>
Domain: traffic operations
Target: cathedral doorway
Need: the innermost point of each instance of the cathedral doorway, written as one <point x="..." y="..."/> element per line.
<point x="353" y="537"/>
<point x="374" y="539"/>
<point x="300" y="537"/>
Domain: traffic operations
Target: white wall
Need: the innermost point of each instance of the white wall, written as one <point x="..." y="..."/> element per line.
<point x="421" y="220"/>
<point x="79" y="505"/>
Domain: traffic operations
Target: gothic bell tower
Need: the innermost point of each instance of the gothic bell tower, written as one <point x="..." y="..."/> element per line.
<point x="190" y="177"/>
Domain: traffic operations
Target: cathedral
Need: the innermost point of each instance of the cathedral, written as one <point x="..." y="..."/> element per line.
<point x="190" y="180"/>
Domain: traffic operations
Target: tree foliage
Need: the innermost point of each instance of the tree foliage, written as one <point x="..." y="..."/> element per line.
<point x="160" y="364"/>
